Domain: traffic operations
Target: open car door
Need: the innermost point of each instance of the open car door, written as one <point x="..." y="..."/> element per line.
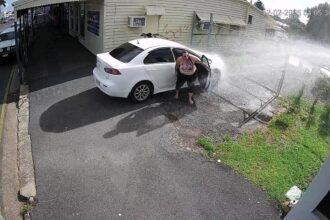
<point x="204" y="73"/>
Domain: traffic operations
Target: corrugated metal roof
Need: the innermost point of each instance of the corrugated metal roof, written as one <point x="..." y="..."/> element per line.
<point x="220" y="19"/>
<point x="154" y="10"/>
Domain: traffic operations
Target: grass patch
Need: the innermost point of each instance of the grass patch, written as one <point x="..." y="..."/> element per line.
<point x="290" y="151"/>
<point x="207" y="144"/>
<point x="27" y="208"/>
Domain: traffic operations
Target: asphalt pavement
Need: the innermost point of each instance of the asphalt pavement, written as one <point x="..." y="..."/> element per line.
<point x="102" y="158"/>
<point x="8" y="144"/>
<point x="98" y="157"/>
<point x="6" y="65"/>
<point x="5" y="70"/>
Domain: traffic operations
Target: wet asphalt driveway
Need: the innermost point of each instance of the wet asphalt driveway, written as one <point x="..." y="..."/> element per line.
<point x="98" y="157"/>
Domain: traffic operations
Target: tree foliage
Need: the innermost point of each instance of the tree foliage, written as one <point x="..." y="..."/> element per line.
<point x="260" y="5"/>
<point x="318" y="25"/>
<point x="3" y="2"/>
<point x="295" y="27"/>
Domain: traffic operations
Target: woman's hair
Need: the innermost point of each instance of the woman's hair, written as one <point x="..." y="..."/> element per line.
<point x="185" y="52"/>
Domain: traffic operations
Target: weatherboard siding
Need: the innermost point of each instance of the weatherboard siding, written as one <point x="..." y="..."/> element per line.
<point x="176" y="24"/>
<point x="257" y="29"/>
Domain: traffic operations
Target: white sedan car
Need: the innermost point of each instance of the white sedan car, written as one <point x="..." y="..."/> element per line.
<point x="7" y="42"/>
<point x="143" y="67"/>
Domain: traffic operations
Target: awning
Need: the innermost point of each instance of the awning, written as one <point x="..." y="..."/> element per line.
<point x="276" y="28"/>
<point x="272" y="25"/>
<point x="25" y="4"/>
<point x="220" y="19"/>
<point x="237" y="21"/>
<point x="154" y="10"/>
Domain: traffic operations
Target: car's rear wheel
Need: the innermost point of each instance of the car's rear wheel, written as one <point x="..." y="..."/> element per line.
<point x="141" y="91"/>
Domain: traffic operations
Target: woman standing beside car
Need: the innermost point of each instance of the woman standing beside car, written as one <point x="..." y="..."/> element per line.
<point x="186" y="72"/>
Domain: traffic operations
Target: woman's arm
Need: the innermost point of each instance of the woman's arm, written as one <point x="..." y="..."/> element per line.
<point x="177" y="64"/>
<point x="195" y="59"/>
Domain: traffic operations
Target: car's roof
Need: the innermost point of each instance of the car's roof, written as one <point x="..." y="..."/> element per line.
<point x="146" y="43"/>
<point x="8" y="30"/>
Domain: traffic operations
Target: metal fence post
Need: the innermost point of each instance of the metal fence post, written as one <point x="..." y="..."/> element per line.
<point x="210" y="32"/>
<point x="192" y="29"/>
<point x="17" y="53"/>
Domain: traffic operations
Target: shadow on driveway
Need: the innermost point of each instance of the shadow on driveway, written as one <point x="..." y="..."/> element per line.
<point x="151" y="118"/>
<point x="93" y="106"/>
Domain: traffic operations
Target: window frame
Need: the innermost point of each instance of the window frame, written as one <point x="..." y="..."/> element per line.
<point x="159" y="48"/>
<point x="250" y="19"/>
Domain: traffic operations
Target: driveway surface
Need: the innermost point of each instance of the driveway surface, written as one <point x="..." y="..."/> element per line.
<point x="98" y="157"/>
<point x="5" y="69"/>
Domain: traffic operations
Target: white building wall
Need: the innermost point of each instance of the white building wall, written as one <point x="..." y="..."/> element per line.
<point x="91" y="41"/>
<point x="176" y="24"/>
<point x="256" y="30"/>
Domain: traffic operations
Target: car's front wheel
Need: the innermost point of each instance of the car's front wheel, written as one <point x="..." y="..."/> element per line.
<point x="141" y="91"/>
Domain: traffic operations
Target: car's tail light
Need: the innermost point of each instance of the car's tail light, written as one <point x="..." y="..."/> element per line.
<point x="112" y="71"/>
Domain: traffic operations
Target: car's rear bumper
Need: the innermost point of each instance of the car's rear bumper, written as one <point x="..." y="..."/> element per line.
<point x="109" y="87"/>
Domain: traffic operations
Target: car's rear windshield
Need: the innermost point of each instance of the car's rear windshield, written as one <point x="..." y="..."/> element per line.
<point x="126" y="52"/>
<point x="7" y="36"/>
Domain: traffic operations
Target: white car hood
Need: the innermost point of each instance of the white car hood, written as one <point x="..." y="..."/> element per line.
<point x="7" y="43"/>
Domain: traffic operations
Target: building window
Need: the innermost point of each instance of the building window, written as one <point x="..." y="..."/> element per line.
<point x="163" y="55"/>
<point x="250" y="19"/>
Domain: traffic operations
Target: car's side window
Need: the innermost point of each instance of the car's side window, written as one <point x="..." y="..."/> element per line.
<point x="178" y="52"/>
<point x="163" y="55"/>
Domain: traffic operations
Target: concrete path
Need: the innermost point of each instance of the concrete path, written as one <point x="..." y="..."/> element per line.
<point x="9" y="183"/>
